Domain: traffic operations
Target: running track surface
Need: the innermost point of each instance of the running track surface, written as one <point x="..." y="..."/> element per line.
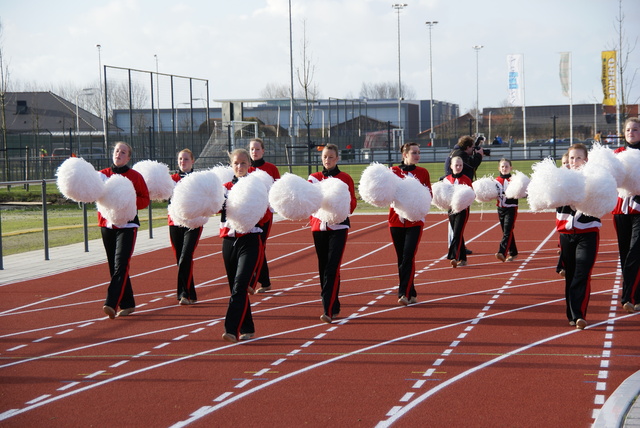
<point x="487" y="345"/>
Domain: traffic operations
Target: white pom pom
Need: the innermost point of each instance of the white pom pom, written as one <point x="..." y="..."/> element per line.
<point x="118" y="202"/>
<point x="247" y="203"/>
<point x="442" y="194"/>
<point x="223" y="172"/>
<point x="412" y="200"/>
<point x="79" y="181"/>
<point x="336" y="201"/>
<point x="156" y="176"/>
<point x="517" y="187"/>
<point x="198" y="195"/>
<point x="602" y="157"/>
<point x="486" y="189"/>
<point x="600" y="193"/>
<point x="463" y="197"/>
<point x="266" y="179"/>
<point x="378" y="185"/>
<point x="552" y="187"/>
<point x="295" y="198"/>
<point x="630" y="159"/>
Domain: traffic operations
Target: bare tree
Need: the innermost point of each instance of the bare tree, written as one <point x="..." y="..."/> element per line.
<point x="309" y="88"/>
<point x="385" y="91"/>
<point x="625" y="49"/>
<point x="275" y="90"/>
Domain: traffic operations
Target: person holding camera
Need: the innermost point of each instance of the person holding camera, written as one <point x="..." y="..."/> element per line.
<point x="471" y="153"/>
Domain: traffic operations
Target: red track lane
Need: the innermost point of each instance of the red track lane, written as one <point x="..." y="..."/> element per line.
<point x="488" y="344"/>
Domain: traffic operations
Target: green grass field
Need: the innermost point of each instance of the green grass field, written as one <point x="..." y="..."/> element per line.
<point x="22" y="227"/>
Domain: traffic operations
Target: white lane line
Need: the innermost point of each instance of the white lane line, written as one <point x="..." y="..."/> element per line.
<point x="243" y="383"/>
<point x="15" y="348"/>
<point x="313" y="366"/>
<point x="406" y="397"/>
<point x="39" y="399"/>
<point x="94" y="374"/>
<point x="220" y="397"/>
<point x="68" y="386"/>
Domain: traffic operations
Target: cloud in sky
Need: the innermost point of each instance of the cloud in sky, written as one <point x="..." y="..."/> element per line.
<point x="241" y="46"/>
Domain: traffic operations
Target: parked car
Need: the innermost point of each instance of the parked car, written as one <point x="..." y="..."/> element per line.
<point x="61" y="153"/>
<point x="537" y="142"/>
<point x="91" y="152"/>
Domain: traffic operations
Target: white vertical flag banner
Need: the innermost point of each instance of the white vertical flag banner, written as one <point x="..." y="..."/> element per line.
<point x="565" y="73"/>
<point x="514" y="64"/>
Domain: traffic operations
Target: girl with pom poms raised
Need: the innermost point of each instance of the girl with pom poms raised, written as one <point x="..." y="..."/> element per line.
<point x="507" y="214"/>
<point x="579" y="240"/>
<point x="406" y="234"/>
<point x="242" y="218"/>
<point x="256" y="150"/>
<point x="458" y="220"/>
<point x="626" y="217"/>
<point x="330" y="226"/>
<point x="120" y="239"/>
<point x="184" y="240"/>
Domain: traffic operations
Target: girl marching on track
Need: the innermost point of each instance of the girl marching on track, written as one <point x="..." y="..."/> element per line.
<point x="626" y="219"/>
<point x="242" y="254"/>
<point x="579" y="240"/>
<point x="256" y="150"/>
<point x="507" y="214"/>
<point x="330" y="240"/>
<point x="119" y="241"/>
<point x="184" y="240"/>
<point x="559" y="267"/>
<point x="457" y="250"/>
<point x="406" y="234"/>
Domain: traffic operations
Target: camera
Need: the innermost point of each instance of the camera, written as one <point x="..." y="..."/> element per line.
<point x="478" y="143"/>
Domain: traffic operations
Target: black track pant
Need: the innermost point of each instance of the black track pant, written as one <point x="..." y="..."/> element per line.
<point x="406" y="241"/>
<point x="578" y="251"/>
<point x="330" y="247"/>
<point x="184" y="242"/>
<point x="628" y="230"/>
<point x="507" y="217"/>
<point x="242" y="258"/>
<point x="457" y="249"/>
<point x="119" y="245"/>
<point x="263" y="278"/>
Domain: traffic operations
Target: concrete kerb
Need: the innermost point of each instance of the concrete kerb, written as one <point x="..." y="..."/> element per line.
<point x="622" y="405"/>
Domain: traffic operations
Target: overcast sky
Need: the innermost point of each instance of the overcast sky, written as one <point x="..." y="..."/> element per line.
<point x="243" y="45"/>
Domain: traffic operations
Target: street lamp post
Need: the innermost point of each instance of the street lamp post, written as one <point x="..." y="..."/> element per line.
<point x="84" y="92"/>
<point x="158" y="92"/>
<point x="430" y="24"/>
<point x="103" y="103"/>
<point x="398" y="7"/>
<point x="477" y="49"/>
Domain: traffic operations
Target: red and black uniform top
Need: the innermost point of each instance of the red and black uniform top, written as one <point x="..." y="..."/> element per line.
<point x="403" y="171"/>
<point x="142" y="194"/>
